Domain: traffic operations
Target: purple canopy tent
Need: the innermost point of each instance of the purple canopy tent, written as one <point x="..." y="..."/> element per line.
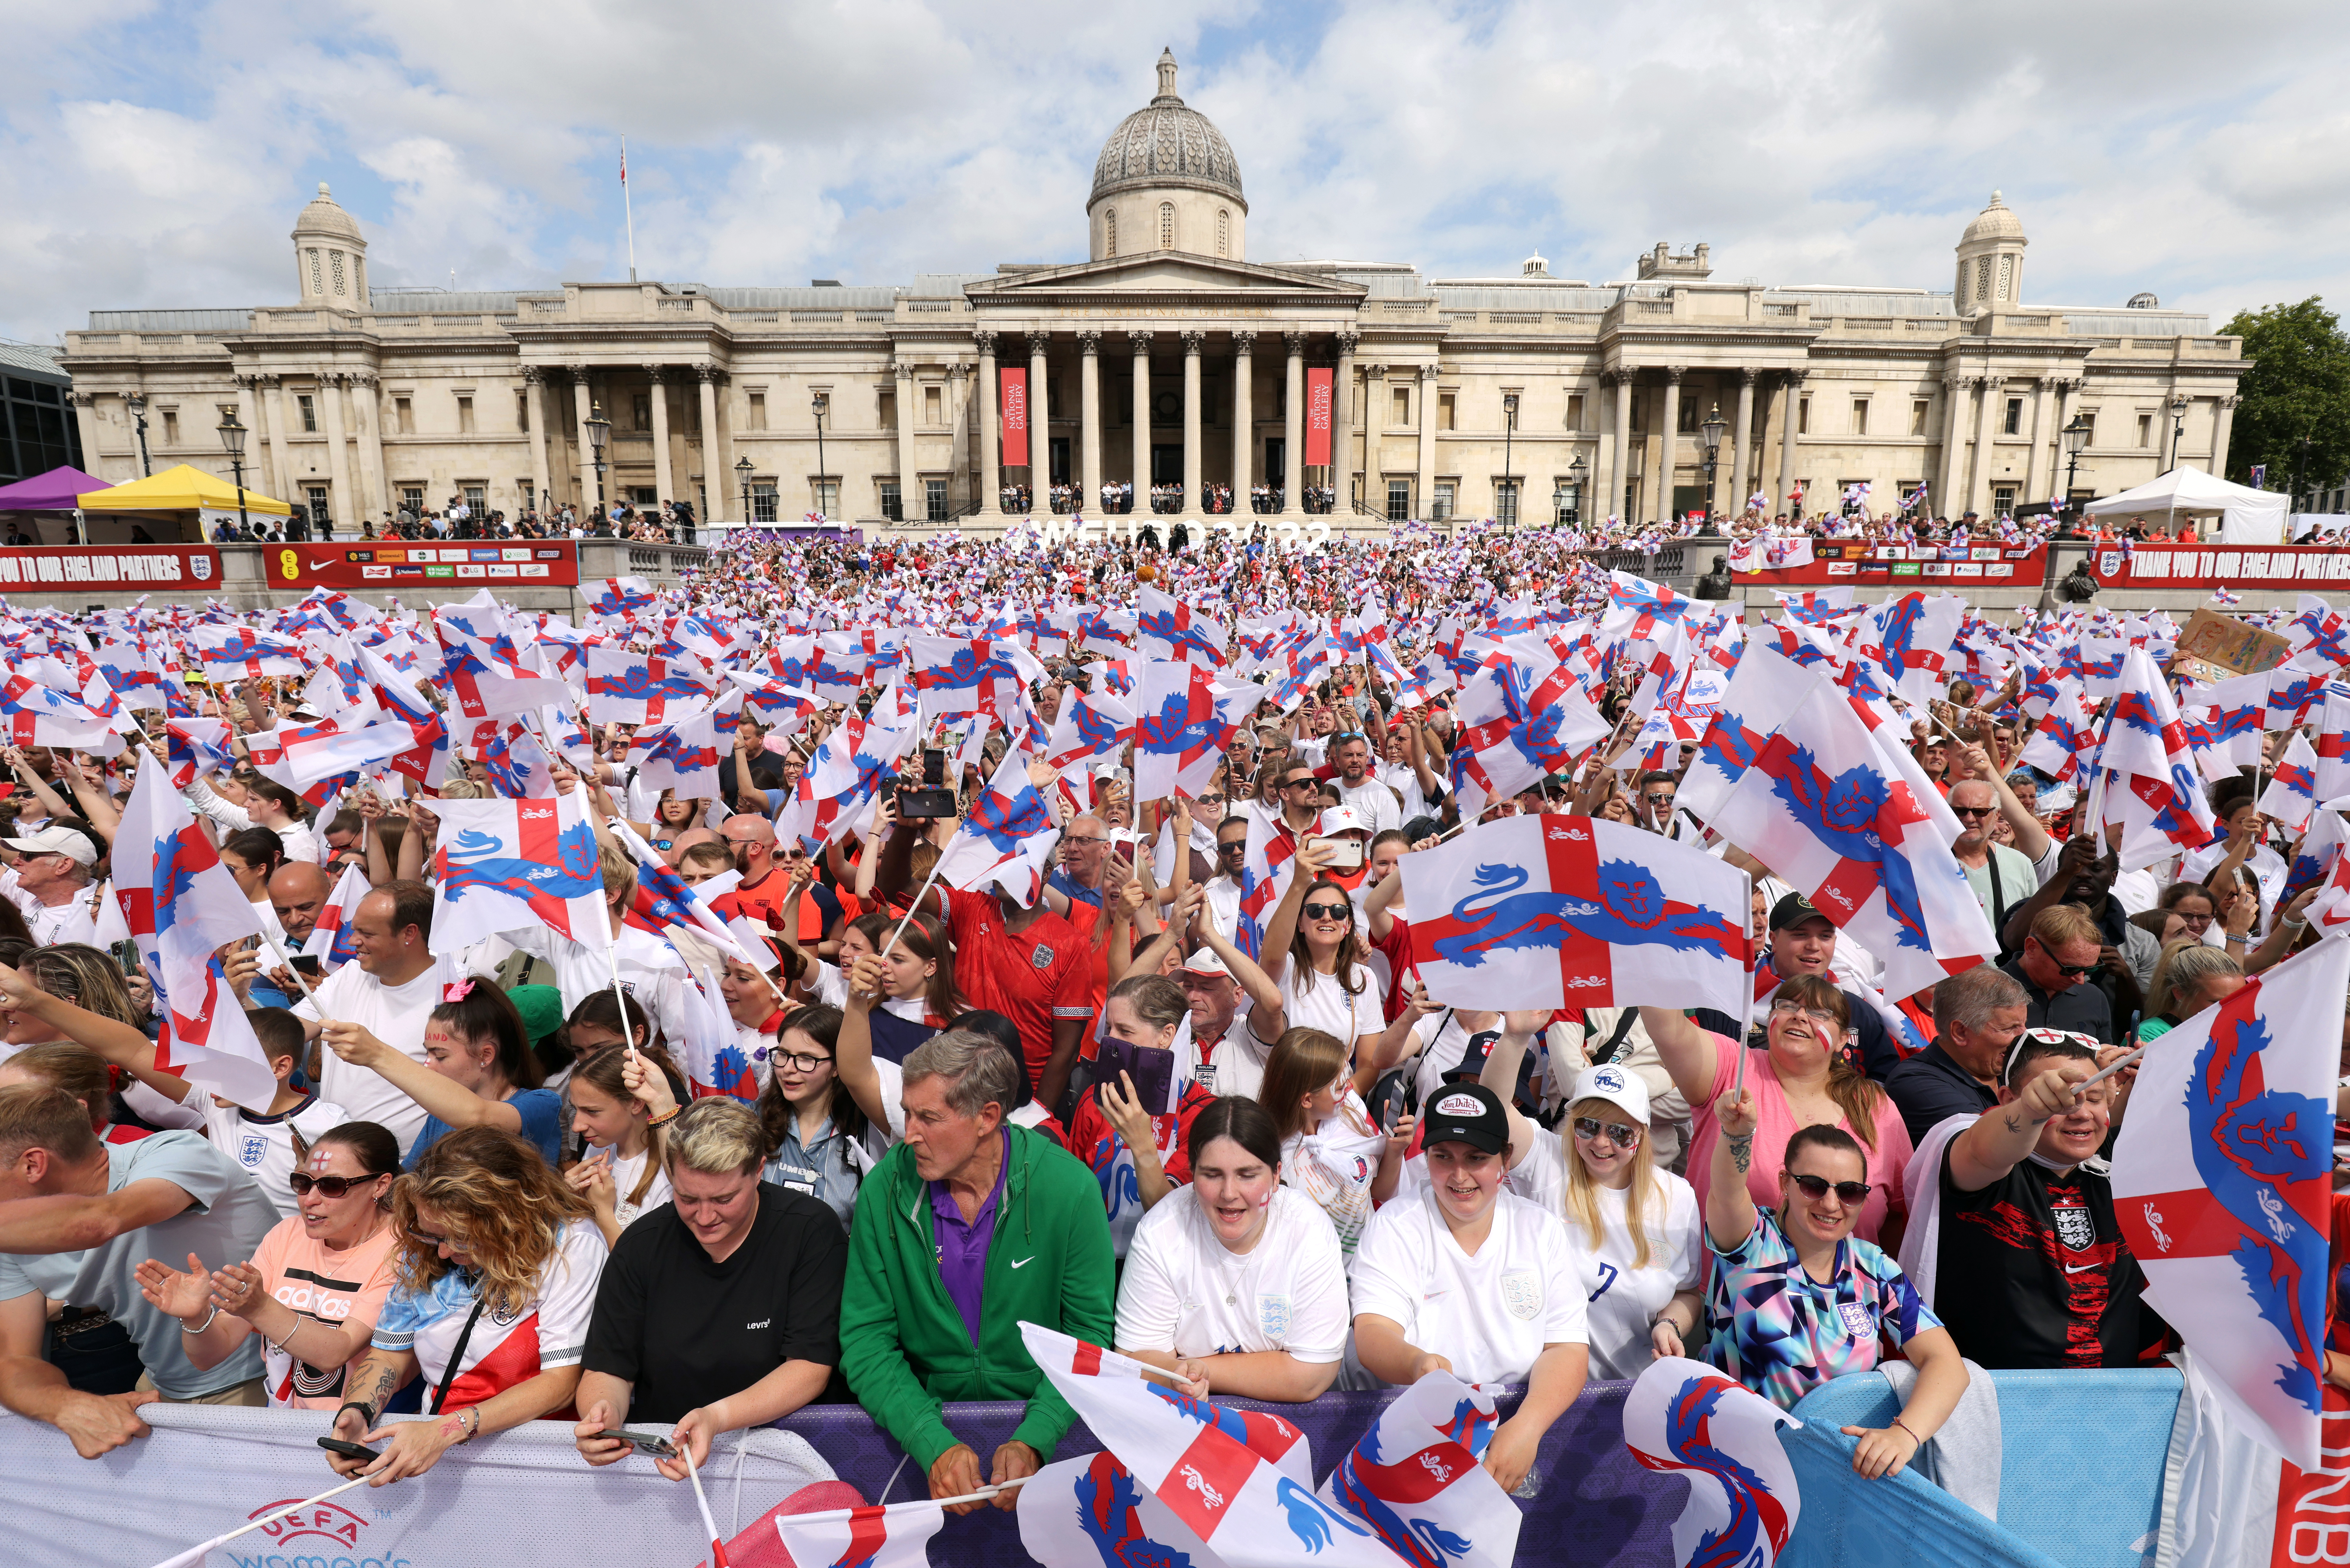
<point x="59" y="489"/>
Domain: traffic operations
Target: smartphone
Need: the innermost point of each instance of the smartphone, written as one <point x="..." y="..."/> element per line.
<point x="348" y="1450"/>
<point x="307" y="963"/>
<point x="933" y="799"/>
<point x="661" y="1447"/>
<point x="1345" y="854"/>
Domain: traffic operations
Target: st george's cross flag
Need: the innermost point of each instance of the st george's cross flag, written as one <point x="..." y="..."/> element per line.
<point x="1417" y="1481"/>
<point x="196" y="746"/>
<point x="627" y="687"/>
<point x="2222" y="1186"/>
<point x="1168" y="628"/>
<point x="2292" y="795"/>
<point x="1685" y="1417"/>
<point x="330" y="940"/>
<point x="486" y="671"/>
<point x="1089" y="1512"/>
<point x="1183" y="719"/>
<point x="504" y="866"/>
<point x="897" y="1536"/>
<point x="1006" y="839"/>
<point x="1240" y="1481"/>
<point x="1572" y="911"/>
<point x="36" y="715"/>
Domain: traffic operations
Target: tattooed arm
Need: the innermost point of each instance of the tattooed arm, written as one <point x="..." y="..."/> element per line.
<point x="1728" y="1206"/>
<point x="2003" y="1135"/>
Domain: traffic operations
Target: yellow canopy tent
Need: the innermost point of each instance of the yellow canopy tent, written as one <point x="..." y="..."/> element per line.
<point x="181" y="489"/>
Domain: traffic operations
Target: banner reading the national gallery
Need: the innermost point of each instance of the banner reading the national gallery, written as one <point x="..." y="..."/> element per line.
<point x="1014" y="418"/>
<point x="1318" y="417"/>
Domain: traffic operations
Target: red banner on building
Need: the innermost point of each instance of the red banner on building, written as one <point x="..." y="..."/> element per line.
<point x="530" y="563"/>
<point x="2219" y="565"/>
<point x="1860" y="564"/>
<point x="1014" y="417"/>
<point x="111" y="568"/>
<point x="1318" y="417"/>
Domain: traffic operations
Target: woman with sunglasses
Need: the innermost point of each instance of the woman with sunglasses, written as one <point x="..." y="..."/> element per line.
<point x="315" y="1286"/>
<point x="1801" y="1077"/>
<point x="1313" y="951"/>
<point x="1796" y="1298"/>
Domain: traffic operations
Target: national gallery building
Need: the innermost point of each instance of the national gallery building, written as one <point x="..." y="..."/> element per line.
<point x="1167" y="359"/>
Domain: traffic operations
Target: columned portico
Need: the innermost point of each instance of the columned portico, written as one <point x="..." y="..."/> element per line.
<point x="664" y="480"/>
<point x="534" y="393"/>
<point x="717" y="472"/>
<point x="1789" y="419"/>
<point x="1292" y="428"/>
<point x="1732" y="498"/>
<point x="1040" y="426"/>
<point x="1979" y="486"/>
<point x="1620" y="458"/>
<point x="1426" y="499"/>
<point x="1945" y="498"/>
<point x="910" y="480"/>
<point x="1659" y="507"/>
<point x="1342" y="431"/>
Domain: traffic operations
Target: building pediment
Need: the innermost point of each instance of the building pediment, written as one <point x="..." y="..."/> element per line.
<point x="1162" y="273"/>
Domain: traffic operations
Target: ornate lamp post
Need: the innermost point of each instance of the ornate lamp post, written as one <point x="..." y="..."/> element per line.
<point x="1509" y="486"/>
<point x="599" y="431"/>
<point x="743" y="479"/>
<point x="233" y="433"/>
<point x="1709" y="432"/>
<point x="1575" y="472"/>
<point x="823" y="403"/>
<point x="2076" y="436"/>
<point x="2177" y="427"/>
<point x="137" y="403"/>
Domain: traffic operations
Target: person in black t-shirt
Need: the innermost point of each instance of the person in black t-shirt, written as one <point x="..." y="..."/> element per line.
<point x="719" y="1309"/>
<point x="2061" y="951"/>
<point x="2032" y="1270"/>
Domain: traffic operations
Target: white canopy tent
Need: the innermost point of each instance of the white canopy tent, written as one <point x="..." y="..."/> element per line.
<point x="2248" y="517"/>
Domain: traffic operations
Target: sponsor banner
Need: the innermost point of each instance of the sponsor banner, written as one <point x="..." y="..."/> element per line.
<point x="105" y="568"/>
<point x="1854" y="561"/>
<point x="1317" y="416"/>
<point x="390" y="563"/>
<point x="1013" y="418"/>
<point x="2219" y="565"/>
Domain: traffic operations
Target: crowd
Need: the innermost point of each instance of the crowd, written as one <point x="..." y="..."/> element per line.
<point x="492" y="1185"/>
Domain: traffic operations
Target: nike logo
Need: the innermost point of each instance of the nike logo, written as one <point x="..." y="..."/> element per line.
<point x="1025" y="1261"/>
<point x="2069" y="1268"/>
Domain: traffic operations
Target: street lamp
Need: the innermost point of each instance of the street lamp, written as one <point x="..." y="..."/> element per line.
<point x="137" y="403"/>
<point x="822" y="402"/>
<point x="1509" y="487"/>
<point x="1709" y="432"/>
<point x="233" y="434"/>
<point x="599" y="431"/>
<point x="743" y="479"/>
<point x="1575" y="472"/>
<point x="2178" y="426"/>
<point x="2076" y="436"/>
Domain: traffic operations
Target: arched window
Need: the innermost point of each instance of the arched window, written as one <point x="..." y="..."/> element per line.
<point x="1166" y="225"/>
<point x="1109" y="232"/>
<point x="1223" y="232"/>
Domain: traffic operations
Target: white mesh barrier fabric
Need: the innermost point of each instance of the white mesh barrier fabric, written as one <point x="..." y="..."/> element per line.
<point x="523" y="1496"/>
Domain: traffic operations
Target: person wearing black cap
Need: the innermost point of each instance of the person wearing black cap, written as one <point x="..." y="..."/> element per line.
<point x="1803" y="941"/>
<point x="1473" y="1280"/>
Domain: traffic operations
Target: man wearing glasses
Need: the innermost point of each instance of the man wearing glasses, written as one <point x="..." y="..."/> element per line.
<point x="2062" y="951"/>
<point x="2002" y="878"/>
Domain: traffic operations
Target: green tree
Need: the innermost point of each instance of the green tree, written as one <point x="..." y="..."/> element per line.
<point x="2299" y="388"/>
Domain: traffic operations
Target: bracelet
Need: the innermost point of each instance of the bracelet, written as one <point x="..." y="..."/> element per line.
<point x="281" y="1345"/>
<point x="475" y="1412"/>
<point x="204" y="1326"/>
<point x="1913" y="1436"/>
<point x="366" y="1410"/>
<point x="665" y="1118"/>
<point x="2293" y="925"/>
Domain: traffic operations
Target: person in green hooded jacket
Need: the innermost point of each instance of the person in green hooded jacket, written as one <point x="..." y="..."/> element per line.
<point x="962" y="1231"/>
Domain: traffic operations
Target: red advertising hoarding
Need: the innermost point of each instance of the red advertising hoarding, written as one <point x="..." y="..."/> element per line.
<point x="1859" y="564"/>
<point x="386" y="564"/>
<point x="111" y="568"/>
<point x="2219" y="565"/>
<point x="1318" y="417"/>
<point x="1014" y="418"/>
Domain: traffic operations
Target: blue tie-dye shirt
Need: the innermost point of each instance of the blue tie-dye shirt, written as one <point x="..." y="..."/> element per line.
<point x="1783" y="1333"/>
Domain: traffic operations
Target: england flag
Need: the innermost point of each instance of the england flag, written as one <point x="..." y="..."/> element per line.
<point x="897" y="1536"/>
<point x="1183" y="721"/>
<point x="1006" y="840"/>
<point x="1684" y="1416"/>
<point x="516" y="864"/>
<point x="1416" y="1479"/>
<point x="2292" y="795"/>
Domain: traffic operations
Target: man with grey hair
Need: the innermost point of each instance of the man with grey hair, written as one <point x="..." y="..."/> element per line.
<point x="962" y="1231"/>
<point x="1978" y="1013"/>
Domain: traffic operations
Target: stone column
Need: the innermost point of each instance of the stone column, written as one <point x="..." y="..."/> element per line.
<point x="1342" y="428"/>
<point x="338" y="464"/>
<point x="2039" y="440"/>
<point x="1979" y="487"/>
<point x="1428" y="444"/>
<point x="959" y="449"/>
<point x="1787" y="442"/>
<point x="1736" y="505"/>
<point x="990" y="431"/>
<point x="1669" y="445"/>
<point x="281" y="456"/>
<point x="534" y="391"/>
<point x="716" y="477"/>
<point x="664" y="480"/>
<point x="909" y="483"/>
<point x="1293" y="427"/>
<point x="1619" y="466"/>
<point x="2222" y="425"/>
<point x="1090" y="473"/>
<point x="366" y="409"/>
<point x="1040" y="426"/>
<point x="1140" y="338"/>
<point x="1192" y="340"/>
<point x="1946" y="499"/>
<point x="1243" y="419"/>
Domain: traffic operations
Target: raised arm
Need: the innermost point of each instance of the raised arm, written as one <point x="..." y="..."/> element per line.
<point x="1728" y="1206"/>
<point x="2005" y="1135"/>
<point x="2031" y="838"/>
<point x="1501" y="1076"/>
<point x="852" y="1048"/>
<point x="1688" y="1054"/>
<point x="1264" y="994"/>
<point x="445" y="1098"/>
<point x="1312" y="859"/>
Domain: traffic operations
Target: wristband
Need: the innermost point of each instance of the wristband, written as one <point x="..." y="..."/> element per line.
<point x="204" y="1326"/>
<point x="1913" y="1436"/>
<point x="353" y="1405"/>
<point x="665" y="1118"/>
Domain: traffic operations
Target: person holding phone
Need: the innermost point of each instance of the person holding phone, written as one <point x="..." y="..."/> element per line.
<point x="1135" y="1140"/>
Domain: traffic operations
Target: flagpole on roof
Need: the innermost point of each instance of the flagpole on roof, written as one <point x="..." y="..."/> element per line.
<point x="628" y="208"/>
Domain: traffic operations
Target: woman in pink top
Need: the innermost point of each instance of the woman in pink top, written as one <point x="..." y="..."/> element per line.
<point x="1803" y="1078"/>
<point x="315" y="1285"/>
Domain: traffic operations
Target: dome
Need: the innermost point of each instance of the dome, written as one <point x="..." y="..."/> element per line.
<point x="1996" y="222"/>
<point x="1167" y="144"/>
<point x="322" y="217"/>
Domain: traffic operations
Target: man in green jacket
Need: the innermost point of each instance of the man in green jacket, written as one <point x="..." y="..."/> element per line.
<point x="963" y="1230"/>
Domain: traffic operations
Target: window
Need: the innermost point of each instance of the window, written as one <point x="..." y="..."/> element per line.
<point x="1399" y="500"/>
<point x="1803" y="416"/>
<point x="309" y="407"/>
<point x="403" y="415"/>
<point x="477" y="497"/>
<point x="888" y="409"/>
<point x="1444" y="410"/>
<point x="1505" y="501"/>
<point x="1109" y="232"/>
<point x="1918" y="407"/>
<point x="1402" y="414"/>
<point x="465" y="416"/>
<point x="2088" y="418"/>
<point x="755" y="416"/>
<point x="1444" y="498"/>
<point x="318" y="279"/>
<point x="934" y="499"/>
<point x="892" y="505"/>
<point x="2012" y="424"/>
<point x="1223" y="232"/>
<point x="1983" y="277"/>
<point x="1166" y="225"/>
<point x="522" y="411"/>
<point x="2144" y="430"/>
<point x="1688" y="416"/>
<point x="411" y="499"/>
<point x="2007" y="277"/>
<point x="525" y="495"/>
<point x="1565" y="501"/>
<point x="762" y="501"/>
<point x="2002" y="500"/>
<point x="316" y="495"/>
<point x="1575" y="411"/>
<point x="643" y="496"/>
<point x="827" y="495"/>
<point x="1860" y="416"/>
<point x="640" y="411"/>
<point x="934" y="405"/>
<point x="172" y="428"/>
<point x="336" y="257"/>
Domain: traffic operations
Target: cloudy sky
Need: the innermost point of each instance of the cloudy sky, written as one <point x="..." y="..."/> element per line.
<point x="155" y="154"/>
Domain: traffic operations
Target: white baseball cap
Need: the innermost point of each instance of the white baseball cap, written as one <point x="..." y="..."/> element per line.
<point x="56" y="841"/>
<point x="1617" y="1086"/>
<point x="1340" y="819"/>
<point x="1205" y="962"/>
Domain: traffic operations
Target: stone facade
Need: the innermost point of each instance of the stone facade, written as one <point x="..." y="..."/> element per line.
<point x="1181" y="362"/>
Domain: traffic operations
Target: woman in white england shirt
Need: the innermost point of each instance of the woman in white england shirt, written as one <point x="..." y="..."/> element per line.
<point x="1235" y="1281"/>
<point x="1468" y="1278"/>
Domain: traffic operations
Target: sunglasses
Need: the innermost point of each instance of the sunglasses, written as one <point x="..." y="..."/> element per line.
<point x="1239" y="849"/>
<point x="2074" y="970"/>
<point x="327" y="1186"/>
<point x="1815" y="1188"/>
<point x="1974" y="811"/>
<point x="1588" y="1129"/>
<point x="1308" y="782"/>
<point x="1326" y="911"/>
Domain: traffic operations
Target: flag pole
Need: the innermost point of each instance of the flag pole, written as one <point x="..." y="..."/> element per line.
<point x="2119" y="1063"/>
<point x="279" y="954"/>
<point x="195" y="1554"/>
<point x="717" y="1544"/>
<point x="1746" y="1013"/>
<point x="915" y="908"/>
<point x="628" y="207"/>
